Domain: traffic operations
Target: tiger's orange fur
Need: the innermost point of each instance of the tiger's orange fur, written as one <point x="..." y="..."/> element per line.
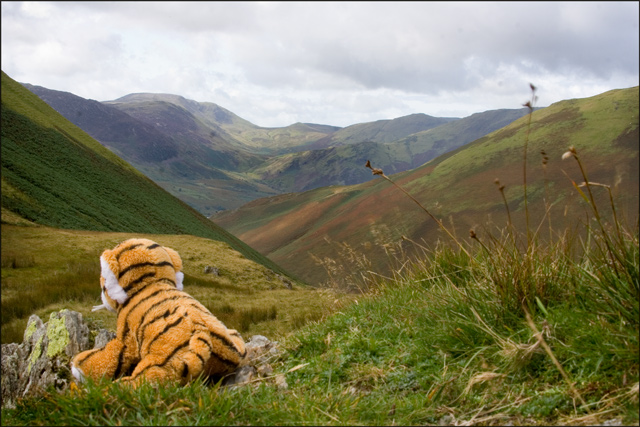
<point x="163" y="334"/>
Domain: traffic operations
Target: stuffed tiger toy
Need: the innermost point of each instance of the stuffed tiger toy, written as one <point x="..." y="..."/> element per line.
<point x="163" y="334"/>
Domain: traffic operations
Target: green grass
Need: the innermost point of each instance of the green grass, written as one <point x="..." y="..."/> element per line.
<point x="435" y="345"/>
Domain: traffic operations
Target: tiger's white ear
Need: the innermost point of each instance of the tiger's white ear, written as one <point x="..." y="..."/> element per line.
<point x="179" y="279"/>
<point x="177" y="265"/>
<point x="112" y="286"/>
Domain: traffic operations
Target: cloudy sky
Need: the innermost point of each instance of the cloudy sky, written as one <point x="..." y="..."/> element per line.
<point x="336" y="63"/>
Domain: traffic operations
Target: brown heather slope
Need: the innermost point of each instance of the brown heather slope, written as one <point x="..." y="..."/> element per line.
<point x="295" y="230"/>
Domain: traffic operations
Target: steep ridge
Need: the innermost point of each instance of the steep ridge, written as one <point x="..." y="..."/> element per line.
<point x="123" y="134"/>
<point x="56" y="175"/>
<point x="166" y="142"/>
<point x="297" y="230"/>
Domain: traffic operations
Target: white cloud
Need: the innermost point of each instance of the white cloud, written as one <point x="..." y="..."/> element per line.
<point x="275" y="63"/>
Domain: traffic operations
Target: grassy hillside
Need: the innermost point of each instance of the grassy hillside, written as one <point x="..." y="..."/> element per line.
<point x="306" y="232"/>
<point x="382" y="130"/>
<point x="491" y="333"/>
<point x="54" y="174"/>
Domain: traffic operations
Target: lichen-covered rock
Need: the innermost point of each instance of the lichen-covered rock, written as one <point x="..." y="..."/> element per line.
<point x="42" y="359"/>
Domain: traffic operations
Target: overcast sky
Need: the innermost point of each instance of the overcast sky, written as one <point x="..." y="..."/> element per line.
<point x="336" y="63"/>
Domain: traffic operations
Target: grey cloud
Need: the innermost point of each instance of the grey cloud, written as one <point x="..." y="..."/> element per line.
<point x="302" y="56"/>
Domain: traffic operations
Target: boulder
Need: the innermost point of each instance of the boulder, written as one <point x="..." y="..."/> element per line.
<point x="212" y="270"/>
<point x="42" y="359"/>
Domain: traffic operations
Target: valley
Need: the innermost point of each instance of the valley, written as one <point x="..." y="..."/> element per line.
<point x="304" y="231"/>
<point x="214" y="160"/>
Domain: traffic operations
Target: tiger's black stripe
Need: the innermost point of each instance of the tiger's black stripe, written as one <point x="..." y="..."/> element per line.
<point x="226" y="361"/>
<point x="133" y="308"/>
<point x="164" y="331"/>
<point x="138" y="281"/>
<point x="144" y="324"/>
<point x="119" y="366"/>
<point x="166" y="360"/>
<point x="144" y="264"/>
<point x="128" y="248"/>
<point x="201" y="358"/>
<point x="134" y="294"/>
<point x="231" y="346"/>
<point x="88" y="354"/>
<point x="167" y="280"/>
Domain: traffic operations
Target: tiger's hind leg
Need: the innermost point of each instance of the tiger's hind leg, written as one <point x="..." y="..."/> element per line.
<point x="184" y="363"/>
<point x="109" y="361"/>
<point x="154" y="369"/>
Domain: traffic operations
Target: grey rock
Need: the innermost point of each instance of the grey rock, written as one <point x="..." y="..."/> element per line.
<point x="103" y="337"/>
<point x="265" y="370"/>
<point x="245" y="374"/>
<point x="286" y="282"/>
<point x="42" y="359"/>
<point x="212" y="270"/>
<point x="255" y="365"/>
<point x="261" y="350"/>
<point x="281" y="382"/>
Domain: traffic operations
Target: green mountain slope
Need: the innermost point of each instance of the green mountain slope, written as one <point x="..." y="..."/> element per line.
<point x="185" y="156"/>
<point x="382" y="130"/>
<point x="296" y="230"/>
<point x="54" y="174"/>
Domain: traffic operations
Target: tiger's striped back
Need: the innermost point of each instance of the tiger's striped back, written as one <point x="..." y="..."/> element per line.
<point x="163" y="333"/>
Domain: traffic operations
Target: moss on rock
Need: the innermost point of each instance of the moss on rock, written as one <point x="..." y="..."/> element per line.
<point x="57" y="334"/>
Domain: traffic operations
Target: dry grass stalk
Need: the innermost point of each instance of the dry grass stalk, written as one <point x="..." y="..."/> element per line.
<point x="481" y="377"/>
<point x="546" y="347"/>
<point x="377" y="171"/>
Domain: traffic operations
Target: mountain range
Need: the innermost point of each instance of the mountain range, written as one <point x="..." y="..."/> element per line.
<point x="214" y="160"/>
<point x="323" y="204"/>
